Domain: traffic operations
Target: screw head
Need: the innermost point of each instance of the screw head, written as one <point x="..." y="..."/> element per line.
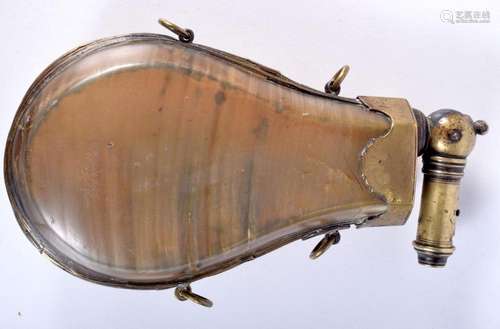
<point x="455" y="135"/>
<point x="481" y="127"/>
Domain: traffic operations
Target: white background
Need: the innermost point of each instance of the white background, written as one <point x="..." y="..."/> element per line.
<point x="371" y="279"/>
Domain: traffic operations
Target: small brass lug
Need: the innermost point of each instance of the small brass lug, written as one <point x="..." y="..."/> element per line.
<point x="333" y="86"/>
<point x="452" y="136"/>
<point x="328" y="240"/>
<point x="183" y="292"/>
<point x="184" y="35"/>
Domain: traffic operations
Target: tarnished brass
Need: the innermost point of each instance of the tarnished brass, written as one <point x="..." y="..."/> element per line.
<point x="185" y="35"/>
<point x="324" y="244"/>
<point x="183" y="292"/>
<point x="142" y="162"/>
<point x="333" y="86"/>
<point x="389" y="162"/>
<point x="452" y="136"/>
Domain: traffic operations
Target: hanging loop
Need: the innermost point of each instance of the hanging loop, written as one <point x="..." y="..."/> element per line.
<point x="333" y="86"/>
<point x="183" y="292"/>
<point x="328" y="240"/>
<point x="185" y="35"/>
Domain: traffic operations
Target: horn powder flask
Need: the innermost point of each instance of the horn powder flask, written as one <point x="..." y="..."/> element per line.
<point x="146" y="162"/>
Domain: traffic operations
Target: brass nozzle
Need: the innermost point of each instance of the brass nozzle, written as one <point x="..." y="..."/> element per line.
<point x="452" y="136"/>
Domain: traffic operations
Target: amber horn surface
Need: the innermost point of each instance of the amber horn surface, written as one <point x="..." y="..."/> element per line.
<point x="144" y="162"/>
<point x="451" y="138"/>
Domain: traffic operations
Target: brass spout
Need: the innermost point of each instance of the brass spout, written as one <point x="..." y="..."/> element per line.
<point x="451" y="138"/>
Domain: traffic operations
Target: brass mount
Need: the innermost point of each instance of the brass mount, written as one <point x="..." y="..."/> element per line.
<point x="451" y="136"/>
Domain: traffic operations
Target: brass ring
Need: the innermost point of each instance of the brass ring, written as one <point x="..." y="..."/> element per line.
<point x="328" y="240"/>
<point x="333" y="86"/>
<point x="183" y="292"/>
<point x="185" y="35"/>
